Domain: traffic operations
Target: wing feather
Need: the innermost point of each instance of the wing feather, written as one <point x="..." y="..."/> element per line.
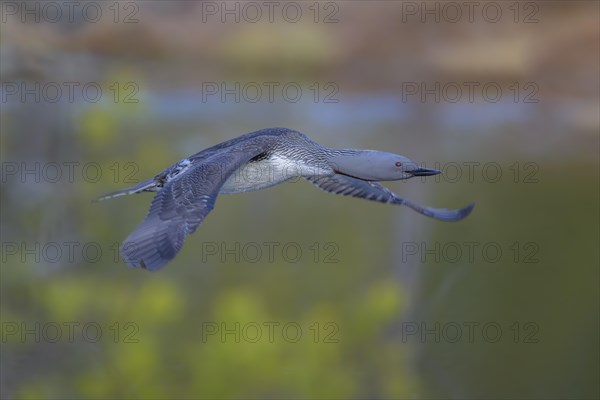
<point x="182" y="204"/>
<point x="374" y="191"/>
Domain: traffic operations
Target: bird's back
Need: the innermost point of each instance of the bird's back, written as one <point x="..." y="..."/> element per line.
<point x="239" y="141"/>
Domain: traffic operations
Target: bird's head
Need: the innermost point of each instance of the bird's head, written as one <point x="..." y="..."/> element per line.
<point x="372" y="165"/>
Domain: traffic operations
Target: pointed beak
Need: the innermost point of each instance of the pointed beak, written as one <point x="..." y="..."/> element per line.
<point x="424" y="172"/>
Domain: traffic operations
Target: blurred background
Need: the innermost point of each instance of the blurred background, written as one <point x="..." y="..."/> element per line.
<point x="291" y="292"/>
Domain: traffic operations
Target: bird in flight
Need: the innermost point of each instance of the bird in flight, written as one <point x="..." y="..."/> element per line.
<point x="186" y="191"/>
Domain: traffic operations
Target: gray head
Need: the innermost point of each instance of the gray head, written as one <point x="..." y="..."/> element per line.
<point x="372" y="165"/>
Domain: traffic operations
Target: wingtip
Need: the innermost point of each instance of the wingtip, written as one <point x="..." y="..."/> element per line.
<point x="103" y="198"/>
<point x="464" y="212"/>
<point x="454" y="215"/>
<point x="460" y="214"/>
<point x="140" y="264"/>
<point x="140" y="254"/>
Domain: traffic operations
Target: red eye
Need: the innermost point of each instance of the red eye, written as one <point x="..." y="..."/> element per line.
<point x="398" y="164"/>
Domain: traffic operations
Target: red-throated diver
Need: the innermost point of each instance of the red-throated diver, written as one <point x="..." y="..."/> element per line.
<point x="186" y="191"/>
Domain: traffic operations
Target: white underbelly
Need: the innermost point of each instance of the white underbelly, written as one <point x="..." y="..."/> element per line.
<point x="266" y="173"/>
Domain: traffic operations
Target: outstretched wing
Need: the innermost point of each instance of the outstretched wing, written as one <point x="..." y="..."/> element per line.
<point x="348" y="186"/>
<point x="182" y="204"/>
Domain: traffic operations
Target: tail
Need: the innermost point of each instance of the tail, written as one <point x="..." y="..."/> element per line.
<point x="147" y="186"/>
